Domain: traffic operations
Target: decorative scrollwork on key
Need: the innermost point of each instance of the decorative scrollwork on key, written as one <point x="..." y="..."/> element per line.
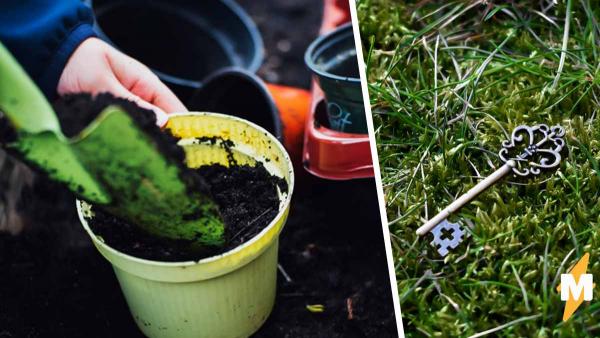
<point x="533" y="148"/>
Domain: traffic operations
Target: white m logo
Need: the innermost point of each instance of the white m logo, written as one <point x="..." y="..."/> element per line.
<point x="570" y="290"/>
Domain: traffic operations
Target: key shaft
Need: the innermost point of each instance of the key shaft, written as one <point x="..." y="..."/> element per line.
<point x="467" y="197"/>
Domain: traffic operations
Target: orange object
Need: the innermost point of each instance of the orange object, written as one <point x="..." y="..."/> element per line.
<point x="293" y="105"/>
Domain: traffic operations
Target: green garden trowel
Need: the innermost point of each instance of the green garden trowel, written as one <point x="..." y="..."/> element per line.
<point x="111" y="163"/>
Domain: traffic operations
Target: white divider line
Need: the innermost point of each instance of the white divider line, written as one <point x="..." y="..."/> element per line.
<point x="375" y="158"/>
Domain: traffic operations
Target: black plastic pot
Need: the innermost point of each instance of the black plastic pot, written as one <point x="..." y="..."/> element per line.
<point x="332" y="58"/>
<point x="240" y="93"/>
<point x="182" y="41"/>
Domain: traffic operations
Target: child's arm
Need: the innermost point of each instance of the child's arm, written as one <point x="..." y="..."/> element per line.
<point x="42" y="35"/>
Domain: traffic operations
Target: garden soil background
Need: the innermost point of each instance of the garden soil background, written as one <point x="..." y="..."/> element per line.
<point x="53" y="283"/>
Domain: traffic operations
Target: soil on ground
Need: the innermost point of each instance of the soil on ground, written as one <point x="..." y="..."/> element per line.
<point x="55" y="284"/>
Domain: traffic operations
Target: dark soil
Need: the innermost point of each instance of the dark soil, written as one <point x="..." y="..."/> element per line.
<point x="7" y="132"/>
<point x="247" y="198"/>
<point x="332" y="249"/>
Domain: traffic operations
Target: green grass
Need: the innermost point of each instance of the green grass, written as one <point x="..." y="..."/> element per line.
<point x="448" y="80"/>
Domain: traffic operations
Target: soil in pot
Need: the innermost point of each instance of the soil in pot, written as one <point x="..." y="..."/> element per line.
<point x="247" y="196"/>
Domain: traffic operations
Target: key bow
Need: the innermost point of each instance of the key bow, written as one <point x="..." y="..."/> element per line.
<point x="542" y="148"/>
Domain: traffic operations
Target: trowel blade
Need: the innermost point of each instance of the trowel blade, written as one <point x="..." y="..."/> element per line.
<point x="146" y="186"/>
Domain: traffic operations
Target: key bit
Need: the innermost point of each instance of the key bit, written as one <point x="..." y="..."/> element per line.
<point x="447" y="235"/>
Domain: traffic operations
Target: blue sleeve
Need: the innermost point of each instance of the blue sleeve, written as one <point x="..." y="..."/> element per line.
<point x="42" y="35"/>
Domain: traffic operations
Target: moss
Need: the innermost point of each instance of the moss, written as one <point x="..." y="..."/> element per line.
<point x="447" y="81"/>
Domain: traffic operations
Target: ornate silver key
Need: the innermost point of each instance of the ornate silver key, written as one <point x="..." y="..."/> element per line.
<point x="542" y="147"/>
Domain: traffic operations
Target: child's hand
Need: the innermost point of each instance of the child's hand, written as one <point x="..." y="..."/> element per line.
<point x="96" y="67"/>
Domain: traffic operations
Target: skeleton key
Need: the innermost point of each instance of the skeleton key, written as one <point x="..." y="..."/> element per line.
<point x="542" y="144"/>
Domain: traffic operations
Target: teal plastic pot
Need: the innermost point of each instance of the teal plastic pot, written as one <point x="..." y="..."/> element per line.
<point x="332" y="58"/>
<point x="229" y="295"/>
